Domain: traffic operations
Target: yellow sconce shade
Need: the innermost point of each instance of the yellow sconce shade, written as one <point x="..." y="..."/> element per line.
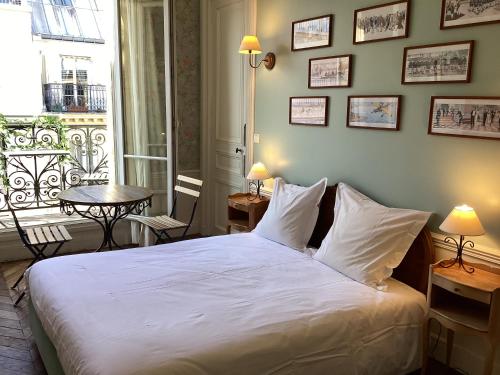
<point x="463" y="221"/>
<point x="250" y="45"/>
<point x="258" y="172"/>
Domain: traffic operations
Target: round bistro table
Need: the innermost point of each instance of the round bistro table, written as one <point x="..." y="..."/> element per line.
<point x="106" y="205"/>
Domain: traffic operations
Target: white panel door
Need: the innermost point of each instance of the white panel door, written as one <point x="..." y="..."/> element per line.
<point x="229" y="113"/>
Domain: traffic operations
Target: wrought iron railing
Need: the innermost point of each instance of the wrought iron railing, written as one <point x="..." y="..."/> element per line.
<point x="36" y="176"/>
<point x="12" y="2"/>
<point x="69" y="97"/>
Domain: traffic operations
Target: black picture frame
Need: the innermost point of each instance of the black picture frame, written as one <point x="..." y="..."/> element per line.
<point x="293" y="120"/>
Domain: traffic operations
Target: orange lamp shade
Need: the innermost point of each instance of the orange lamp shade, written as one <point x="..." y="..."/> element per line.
<point x="250" y="45"/>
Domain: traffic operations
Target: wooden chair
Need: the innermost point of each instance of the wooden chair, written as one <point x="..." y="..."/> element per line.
<point x="161" y="225"/>
<point x="99" y="178"/>
<point x="37" y="240"/>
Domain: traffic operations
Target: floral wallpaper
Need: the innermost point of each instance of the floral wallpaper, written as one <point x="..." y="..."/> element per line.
<point x="187" y="81"/>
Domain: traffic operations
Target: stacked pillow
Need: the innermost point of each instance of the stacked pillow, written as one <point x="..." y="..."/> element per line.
<point x="292" y="213"/>
<point x="359" y="237"/>
<point x="368" y="240"/>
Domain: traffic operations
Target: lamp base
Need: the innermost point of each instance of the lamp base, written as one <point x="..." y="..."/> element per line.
<point x="257" y="186"/>
<point x="458" y="259"/>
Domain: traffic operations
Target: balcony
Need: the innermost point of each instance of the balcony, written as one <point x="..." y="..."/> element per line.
<point x="39" y="160"/>
<point x="75" y="98"/>
<point x="12" y="2"/>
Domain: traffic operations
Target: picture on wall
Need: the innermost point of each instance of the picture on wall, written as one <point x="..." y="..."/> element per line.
<point x="312" y="33"/>
<point x="374" y="112"/>
<point x="460" y="13"/>
<point x="477" y="117"/>
<point x="382" y="22"/>
<point x="328" y="72"/>
<point x="448" y="62"/>
<point x="309" y="110"/>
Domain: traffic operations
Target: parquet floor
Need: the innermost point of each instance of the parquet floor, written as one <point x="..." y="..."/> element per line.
<point x="18" y="352"/>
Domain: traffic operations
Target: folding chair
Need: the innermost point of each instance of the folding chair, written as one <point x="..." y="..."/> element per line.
<point x="161" y="225"/>
<point x="37" y="240"/>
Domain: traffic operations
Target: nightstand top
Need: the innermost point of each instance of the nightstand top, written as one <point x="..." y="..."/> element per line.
<point x="481" y="279"/>
<point x="242" y="198"/>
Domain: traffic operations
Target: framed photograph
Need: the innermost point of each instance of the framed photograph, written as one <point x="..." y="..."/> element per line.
<point x="460" y="13"/>
<point x="309" y="110"/>
<point x="465" y="116"/>
<point x="374" y="112"/>
<point x="448" y="62"/>
<point x="382" y="22"/>
<point x="312" y="33"/>
<point x="328" y="72"/>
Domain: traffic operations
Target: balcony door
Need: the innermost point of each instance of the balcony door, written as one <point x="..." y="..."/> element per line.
<point x="145" y="69"/>
<point x="74" y="77"/>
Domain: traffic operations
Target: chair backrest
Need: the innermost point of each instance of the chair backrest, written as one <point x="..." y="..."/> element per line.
<point x="20" y="230"/>
<point x="194" y="191"/>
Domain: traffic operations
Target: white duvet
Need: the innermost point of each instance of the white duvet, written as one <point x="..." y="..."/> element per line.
<point x="235" y="304"/>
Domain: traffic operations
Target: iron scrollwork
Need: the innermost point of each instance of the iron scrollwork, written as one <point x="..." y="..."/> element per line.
<point x="106" y="216"/>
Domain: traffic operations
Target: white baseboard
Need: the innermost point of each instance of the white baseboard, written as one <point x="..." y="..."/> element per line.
<point x="467" y="352"/>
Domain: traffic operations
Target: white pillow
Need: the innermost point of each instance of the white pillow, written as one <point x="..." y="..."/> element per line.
<point x="292" y="213"/>
<point x="368" y="240"/>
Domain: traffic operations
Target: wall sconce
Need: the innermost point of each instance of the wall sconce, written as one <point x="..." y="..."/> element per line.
<point x="250" y="46"/>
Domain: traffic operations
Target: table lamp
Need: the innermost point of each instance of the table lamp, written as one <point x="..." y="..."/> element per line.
<point x="463" y="221"/>
<point x="258" y="172"/>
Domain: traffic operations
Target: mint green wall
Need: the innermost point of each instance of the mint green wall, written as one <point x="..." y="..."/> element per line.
<point x="405" y="169"/>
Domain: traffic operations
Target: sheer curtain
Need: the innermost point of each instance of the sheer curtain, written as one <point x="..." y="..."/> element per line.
<point x="144" y="99"/>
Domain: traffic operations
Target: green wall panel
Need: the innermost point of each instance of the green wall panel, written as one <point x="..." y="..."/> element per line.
<point x="405" y="169"/>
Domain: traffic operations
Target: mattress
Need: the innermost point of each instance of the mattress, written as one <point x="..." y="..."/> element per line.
<point x="236" y="304"/>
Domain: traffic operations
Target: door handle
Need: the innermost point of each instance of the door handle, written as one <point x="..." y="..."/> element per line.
<point x="239" y="150"/>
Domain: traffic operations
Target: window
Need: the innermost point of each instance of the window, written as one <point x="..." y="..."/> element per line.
<point x="74" y="76"/>
<point x="67" y="19"/>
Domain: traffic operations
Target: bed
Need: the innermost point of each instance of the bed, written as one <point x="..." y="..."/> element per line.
<point x="236" y="304"/>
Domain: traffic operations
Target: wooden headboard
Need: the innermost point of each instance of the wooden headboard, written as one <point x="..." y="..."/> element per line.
<point x="414" y="269"/>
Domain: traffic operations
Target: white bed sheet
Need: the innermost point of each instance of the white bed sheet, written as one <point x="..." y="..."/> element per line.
<point x="235" y="304"/>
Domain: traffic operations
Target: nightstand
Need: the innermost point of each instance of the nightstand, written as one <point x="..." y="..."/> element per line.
<point x="243" y="214"/>
<point x="467" y="303"/>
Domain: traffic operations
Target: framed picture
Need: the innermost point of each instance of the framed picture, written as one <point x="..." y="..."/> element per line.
<point x="327" y="72"/>
<point x="309" y="110"/>
<point x="448" y="62"/>
<point x="460" y="13"/>
<point x="312" y="33"/>
<point x="382" y="22"/>
<point x="465" y="116"/>
<point x="374" y="112"/>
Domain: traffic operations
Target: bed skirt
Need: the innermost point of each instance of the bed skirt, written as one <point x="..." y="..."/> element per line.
<point x="45" y="347"/>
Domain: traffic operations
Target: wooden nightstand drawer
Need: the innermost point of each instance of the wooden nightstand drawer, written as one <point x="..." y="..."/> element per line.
<point x="238" y="206"/>
<point x="466" y="302"/>
<point x="462" y="290"/>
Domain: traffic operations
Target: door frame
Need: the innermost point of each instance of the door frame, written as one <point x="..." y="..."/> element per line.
<point x="208" y="106"/>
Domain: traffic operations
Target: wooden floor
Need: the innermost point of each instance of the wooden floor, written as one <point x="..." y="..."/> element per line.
<point x="18" y="352"/>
